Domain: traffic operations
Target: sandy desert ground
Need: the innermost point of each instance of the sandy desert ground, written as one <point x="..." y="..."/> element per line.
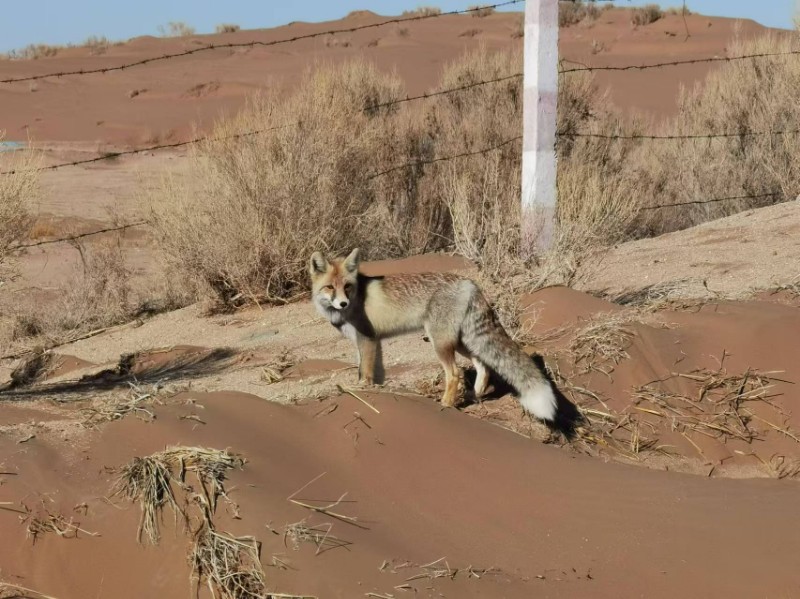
<point x="681" y="351"/>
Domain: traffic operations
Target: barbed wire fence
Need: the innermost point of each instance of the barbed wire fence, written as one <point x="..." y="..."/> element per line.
<point x="582" y="68"/>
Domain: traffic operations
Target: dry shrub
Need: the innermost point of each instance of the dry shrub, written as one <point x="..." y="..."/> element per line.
<point x="743" y="97"/>
<point x="678" y="11"/>
<point x="261" y="204"/>
<point x="644" y="15"/>
<point x="576" y="11"/>
<point x="176" y="29"/>
<point x="19" y="193"/>
<point x="97" y="44"/>
<point x="423" y="11"/>
<point x="33" y="52"/>
<point x="100" y="294"/>
<point x="479" y="10"/>
<point x="227" y="28"/>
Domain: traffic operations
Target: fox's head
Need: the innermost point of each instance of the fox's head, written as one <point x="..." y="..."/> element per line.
<point x="334" y="283"/>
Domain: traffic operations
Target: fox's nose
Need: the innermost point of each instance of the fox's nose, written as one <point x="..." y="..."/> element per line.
<point x="343" y="304"/>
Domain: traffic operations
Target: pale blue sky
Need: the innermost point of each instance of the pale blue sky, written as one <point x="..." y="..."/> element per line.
<point x="62" y="21"/>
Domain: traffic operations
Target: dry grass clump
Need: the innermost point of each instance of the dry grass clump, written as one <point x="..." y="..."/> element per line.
<point x="99" y="296"/>
<point x="644" y="15"/>
<point x="719" y="409"/>
<point x="137" y="402"/>
<point x="479" y="10"/>
<point x="743" y="98"/>
<point x="423" y="11"/>
<point x="97" y="44"/>
<point x="229" y="565"/>
<point x="176" y="29"/>
<point x="227" y="28"/>
<point x="678" y="11"/>
<point x="34" y="52"/>
<point x="572" y="12"/>
<point x="152" y="481"/>
<point x="605" y="339"/>
<point x="19" y="193"/>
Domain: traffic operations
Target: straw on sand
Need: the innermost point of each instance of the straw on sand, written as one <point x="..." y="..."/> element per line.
<point x="152" y="481"/>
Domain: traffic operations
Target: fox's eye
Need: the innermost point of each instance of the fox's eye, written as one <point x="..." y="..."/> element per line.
<point x="348" y="288"/>
<point x="328" y="288"/>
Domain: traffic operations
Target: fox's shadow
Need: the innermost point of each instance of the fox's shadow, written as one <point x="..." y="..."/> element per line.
<point x="568" y="417"/>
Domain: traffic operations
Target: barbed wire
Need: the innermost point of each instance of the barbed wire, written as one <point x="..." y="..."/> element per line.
<point x="689" y="136"/>
<point x="416" y="163"/>
<point x="658" y="65"/>
<point x="79" y="236"/>
<point x="714" y="200"/>
<point x="368" y="108"/>
<point x="443" y="158"/>
<point x="254" y="43"/>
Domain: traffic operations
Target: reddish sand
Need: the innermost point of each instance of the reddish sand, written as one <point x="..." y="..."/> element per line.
<point x="159" y="102"/>
<point x="426" y="484"/>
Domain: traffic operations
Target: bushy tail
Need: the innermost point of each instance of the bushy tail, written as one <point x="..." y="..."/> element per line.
<point x="485" y="338"/>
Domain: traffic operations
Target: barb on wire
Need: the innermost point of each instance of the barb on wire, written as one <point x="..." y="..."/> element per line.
<point x="674" y="63"/>
<point x="250" y="44"/>
<point x="692" y="136"/>
<point x="443" y="158"/>
<point x="444" y="92"/>
<point x="80" y="236"/>
<point x="714" y="200"/>
<point x="368" y="108"/>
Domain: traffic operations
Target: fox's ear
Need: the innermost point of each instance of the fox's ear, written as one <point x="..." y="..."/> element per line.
<point x="319" y="264"/>
<point x="352" y="261"/>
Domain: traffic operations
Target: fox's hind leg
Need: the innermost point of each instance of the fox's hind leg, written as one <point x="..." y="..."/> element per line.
<point x="481" y="377"/>
<point x="446" y="352"/>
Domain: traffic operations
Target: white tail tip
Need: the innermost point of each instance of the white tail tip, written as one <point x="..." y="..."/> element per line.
<point x="540" y="401"/>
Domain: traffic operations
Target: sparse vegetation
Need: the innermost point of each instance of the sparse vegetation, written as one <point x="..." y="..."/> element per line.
<point x="573" y="12"/>
<point x="645" y="15"/>
<point x="18" y="196"/>
<point x="480" y="10"/>
<point x="176" y="29"/>
<point x="743" y="97"/>
<point x="33" y="52"/>
<point x="423" y="11"/>
<point x="227" y="28"/>
<point x="97" y="44"/>
<point x="678" y="11"/>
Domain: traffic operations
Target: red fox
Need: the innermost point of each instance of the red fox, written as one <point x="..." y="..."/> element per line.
<point x="452" y="311"/>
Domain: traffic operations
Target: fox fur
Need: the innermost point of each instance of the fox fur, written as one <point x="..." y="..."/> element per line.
<point x="452" y="311"/>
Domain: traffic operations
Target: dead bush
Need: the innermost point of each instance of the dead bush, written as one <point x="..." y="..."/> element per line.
<point x="423" y="11"/>
<point x="97" y="44"/>
<point x="746" y="98"/>
<point x="573" y="12"/>
<point x="678" y="11"/>
<point x="227" y="28"/>
<point x="644" y="15"/>
<point x="19" y="193"/>
<point x="33" y="52"/>
<point x="176" y="29"/>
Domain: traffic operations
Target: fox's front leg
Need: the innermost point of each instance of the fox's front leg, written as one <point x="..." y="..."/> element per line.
<point x="370" y="360"/>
